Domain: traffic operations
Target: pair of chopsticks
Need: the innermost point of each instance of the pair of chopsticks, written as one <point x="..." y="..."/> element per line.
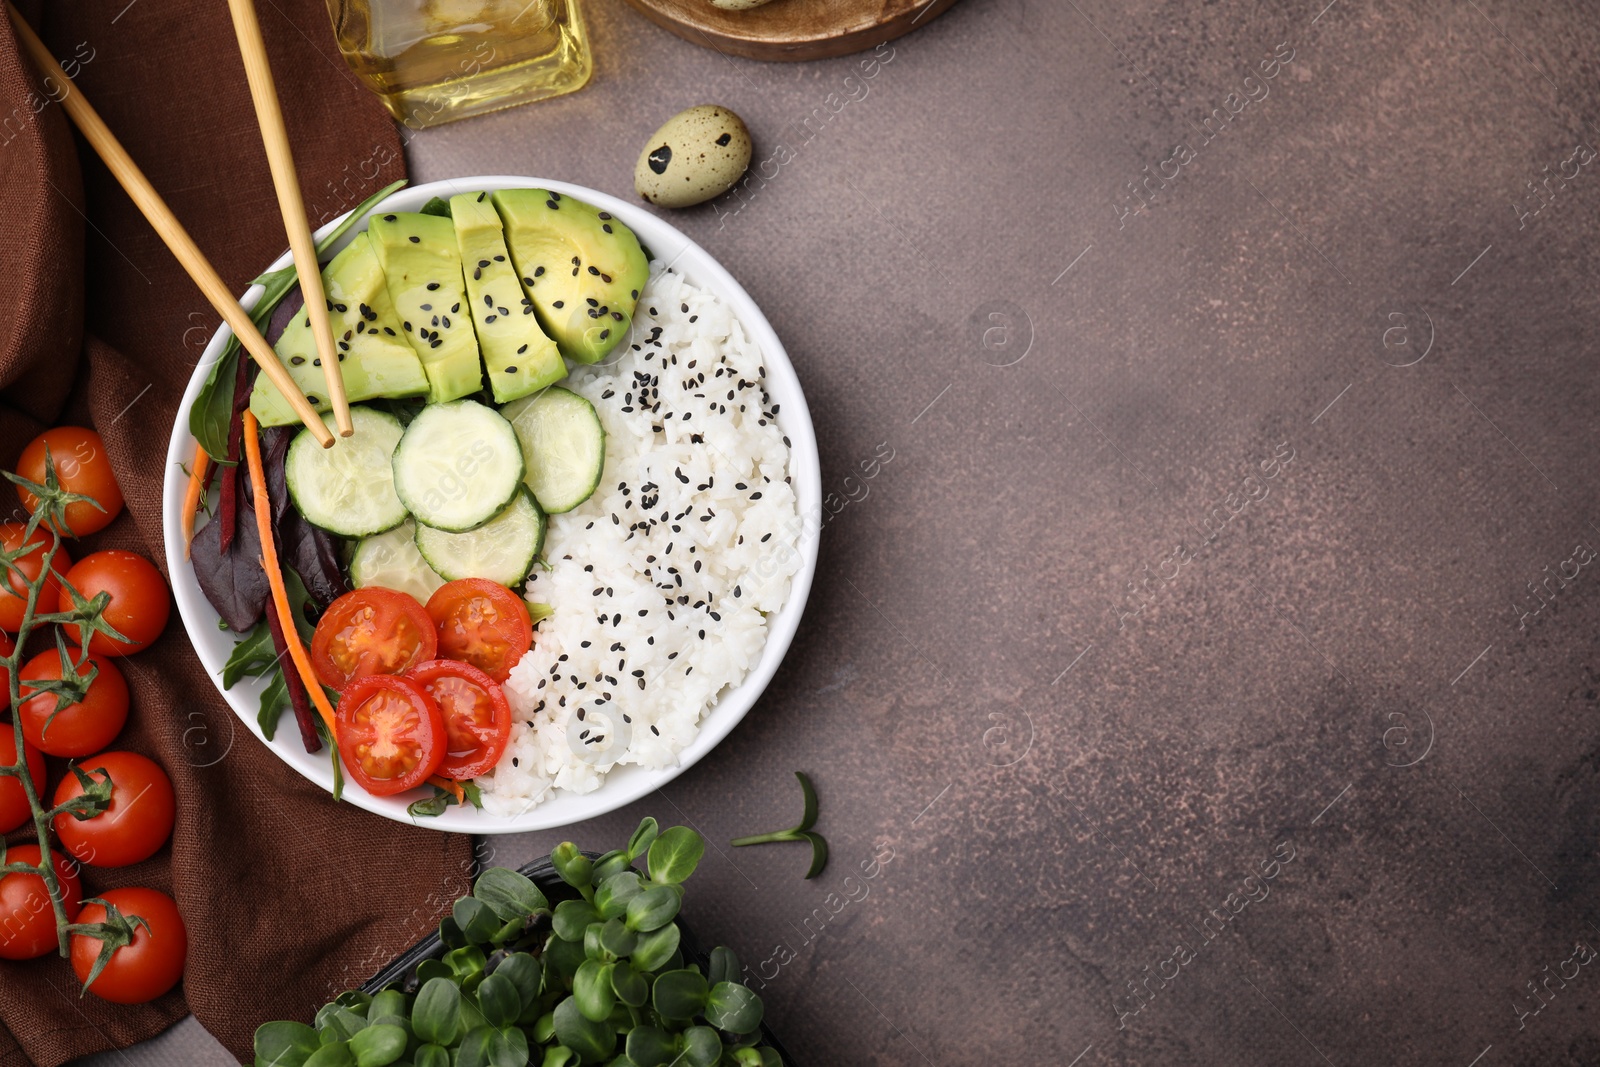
<point x="167" y="226"/>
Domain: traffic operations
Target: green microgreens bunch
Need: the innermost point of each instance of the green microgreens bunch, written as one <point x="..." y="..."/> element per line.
<point x="50" y="511"/>
<point x="598" y="978"/>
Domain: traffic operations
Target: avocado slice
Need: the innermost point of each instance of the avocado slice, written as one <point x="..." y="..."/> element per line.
<point x="374" y="361"/>
<point x="583" y="268"/>
<point x="419" y="258"/>
<point x="517" y="355"/>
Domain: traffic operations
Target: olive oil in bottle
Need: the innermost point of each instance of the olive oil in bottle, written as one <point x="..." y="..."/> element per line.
<point x="433" y="61"/>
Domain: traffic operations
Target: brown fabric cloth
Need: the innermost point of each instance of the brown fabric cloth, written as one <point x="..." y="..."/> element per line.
<point x="288" y="897"/>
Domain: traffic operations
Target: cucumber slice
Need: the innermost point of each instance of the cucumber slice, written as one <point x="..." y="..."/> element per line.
<point x="457" y="465"/>
<point x="347" y="488"/>
<point x="563" y="445"/>
<point x="390" y="560"/>
<point x="501" y="550"/>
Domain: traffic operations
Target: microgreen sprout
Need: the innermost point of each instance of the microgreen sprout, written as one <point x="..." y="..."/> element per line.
<point x="801" y="831"/>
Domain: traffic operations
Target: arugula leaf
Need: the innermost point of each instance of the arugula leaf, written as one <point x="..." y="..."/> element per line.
<point x="253" y="656"/>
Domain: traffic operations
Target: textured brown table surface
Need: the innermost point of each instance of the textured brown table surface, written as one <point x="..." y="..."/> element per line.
<point x="1318" y="786"/>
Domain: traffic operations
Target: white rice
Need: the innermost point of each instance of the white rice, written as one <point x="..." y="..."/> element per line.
<point x="661" y="581"/>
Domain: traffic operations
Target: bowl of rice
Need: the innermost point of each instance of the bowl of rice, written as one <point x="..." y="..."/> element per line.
<point x="675" y="589"/>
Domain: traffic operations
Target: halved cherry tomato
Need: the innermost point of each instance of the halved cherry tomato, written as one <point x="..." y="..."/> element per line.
<point x="137" y="823"/>
<point x="82" y="466"/>
<point x="139" y="603"/>
<point x="27" y="918"/>
<point x="147" y="966"/>
<point x="14" y="810"/>
<point x="14" y="594"/>
<point x="390" y="732"/>
<point x="482" y="623"/>
<point x="477" y="718"/>
<point x="371" y="631"/>
<point x="78" y="729"/>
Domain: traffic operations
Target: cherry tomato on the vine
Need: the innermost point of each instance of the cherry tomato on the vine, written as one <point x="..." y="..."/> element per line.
<point x="14" y="809"/>
<point x="77" y="729"/>
<point x="139" y="603"/>
<point x="82" y="467"/>
<point x="147" y="966"/>
<point x="134" y="827"/>
<point x="14" y="593"/>
<point x="27" y="918"/>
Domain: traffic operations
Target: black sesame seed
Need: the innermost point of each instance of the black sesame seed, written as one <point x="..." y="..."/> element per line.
<point x="416" y="240"/>
<point x="559" y="304"/>
<point x="295" y="361"/>
<point x="511" y="370"/>
<point x="432" y="286"/>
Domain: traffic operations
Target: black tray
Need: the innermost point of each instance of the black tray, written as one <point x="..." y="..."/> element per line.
<point x="543" y="874"/>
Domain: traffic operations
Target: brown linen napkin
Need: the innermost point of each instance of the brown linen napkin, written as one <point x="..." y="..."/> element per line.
<point x="288" y="897"/>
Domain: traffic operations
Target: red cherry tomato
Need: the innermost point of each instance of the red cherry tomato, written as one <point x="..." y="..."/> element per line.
<point x="27" y="919"/>
<point x="78" y="729"/>
<point x="391" y="735"/>
<point x="82" y="466"/>
<point x="482" y="623"/>
<point x="137" y="823"/>
<point x="14" y="594"/>
<point x="14" y="810"/>
<point x="7" y="646"/>
<point x="147" y="966"/>
<point x="139" y="603"/>
<point x="371" y="631"/>
<point x="477" y="718"/>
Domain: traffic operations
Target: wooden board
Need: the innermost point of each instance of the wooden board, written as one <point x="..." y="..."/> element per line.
<point x="792" y="29"/>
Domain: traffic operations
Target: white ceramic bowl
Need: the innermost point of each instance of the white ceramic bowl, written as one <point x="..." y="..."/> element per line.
<point x="624" y="784"/>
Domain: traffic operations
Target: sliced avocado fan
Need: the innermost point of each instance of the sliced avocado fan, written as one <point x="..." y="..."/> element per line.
<point x="582" y="268"/>
<point x="373" y="359"/>
<point x="419" y="257"/>
<point x="517" y="356"/>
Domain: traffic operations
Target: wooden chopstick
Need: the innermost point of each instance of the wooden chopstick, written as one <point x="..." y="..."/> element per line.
<point x="280" y="156"/>
<point x="167" y="226"/>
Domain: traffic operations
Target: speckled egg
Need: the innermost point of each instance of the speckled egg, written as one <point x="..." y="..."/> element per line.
<point x="696" y="155"/>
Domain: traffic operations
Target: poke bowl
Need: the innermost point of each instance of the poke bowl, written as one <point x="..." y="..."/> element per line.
<point x="654" y="502"/>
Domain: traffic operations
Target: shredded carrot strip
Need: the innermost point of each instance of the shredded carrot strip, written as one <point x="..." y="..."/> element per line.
<point x="269" y="563"/>
<point x="449" y="785"/>
<point x="191" y="496"/>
